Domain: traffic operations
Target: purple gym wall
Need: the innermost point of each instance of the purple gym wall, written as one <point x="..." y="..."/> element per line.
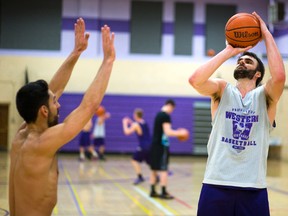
<point x="123" y="105"/>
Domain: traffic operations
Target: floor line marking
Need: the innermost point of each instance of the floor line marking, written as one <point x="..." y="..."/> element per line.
<point x="154" y="202"/>
<point x="73" y="191"/>
<point x="129" y="195"/>
<point x="278" y="190"/>
<point x="161" y="202"/>
<point x="55" y="210"/>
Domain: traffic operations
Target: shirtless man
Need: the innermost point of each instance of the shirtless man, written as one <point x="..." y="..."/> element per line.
<point x="33" y="168"/>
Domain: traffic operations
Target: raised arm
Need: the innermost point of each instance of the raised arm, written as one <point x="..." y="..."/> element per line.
<point x="57" y="136"/>
<point x="275" y="84"/>
<point x="130" y="127"/>
<point x="201" y="79"/>
<point x="62" y="76"/>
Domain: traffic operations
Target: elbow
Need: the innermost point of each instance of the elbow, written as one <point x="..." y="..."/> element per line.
<point x="193" y="81"/>
<point x="281" y="78"/>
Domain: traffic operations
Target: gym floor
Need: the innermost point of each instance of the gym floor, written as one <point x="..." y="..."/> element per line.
<point x="106" y="187"/>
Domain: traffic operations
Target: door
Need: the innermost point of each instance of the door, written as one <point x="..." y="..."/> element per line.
<point x="4" y="127"/>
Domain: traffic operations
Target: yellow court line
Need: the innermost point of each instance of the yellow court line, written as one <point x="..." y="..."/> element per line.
<point x="55" y="210"/>
<point x="129" y="195"/>
<point x="79" y="203"/>
<point x="163" y="203"/>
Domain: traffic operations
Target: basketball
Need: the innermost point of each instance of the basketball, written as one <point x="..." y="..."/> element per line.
<point x="210" y="52"/>
<point x="243" y="30"/>
<point x="184" y="136"/>
<point x="100" y="111"/>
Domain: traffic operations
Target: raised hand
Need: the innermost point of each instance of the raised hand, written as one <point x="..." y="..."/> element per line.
<point x="108" y="43"/>
<point x="81" y="37"/>
<point x="263" y="26"/>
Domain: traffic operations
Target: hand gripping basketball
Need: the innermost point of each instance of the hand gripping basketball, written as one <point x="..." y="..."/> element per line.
<point x="183" y="134"/>
<point x="243" y="30"/>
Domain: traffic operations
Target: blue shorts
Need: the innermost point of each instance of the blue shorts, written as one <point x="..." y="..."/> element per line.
<point x="84" y="140"/>
<point x="141" y="155"/>
<point x="99" y="141"/>
<point x="227" y="201"/>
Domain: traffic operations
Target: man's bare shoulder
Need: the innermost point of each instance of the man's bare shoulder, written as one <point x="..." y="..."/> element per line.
<point x="20" y="137"/>
<point x="27" y="140"/>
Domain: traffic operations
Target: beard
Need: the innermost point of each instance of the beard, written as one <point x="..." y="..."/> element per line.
<point x="241" y="73"/>
<point x="52" y="120"/>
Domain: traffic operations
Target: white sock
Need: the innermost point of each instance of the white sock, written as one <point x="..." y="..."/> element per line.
<point x="82" y="155"/>
<point x="94" y="153"/>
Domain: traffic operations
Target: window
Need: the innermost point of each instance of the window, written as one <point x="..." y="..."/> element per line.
<point x="183" y="28"/>
<point x="216" y="18"/>
<point x="30" y="24"/>
<point x="146" y="27"/>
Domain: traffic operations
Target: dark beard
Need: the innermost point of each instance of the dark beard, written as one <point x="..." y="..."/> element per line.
<point x="244" y="73"/>
<point x="54" y="120"/>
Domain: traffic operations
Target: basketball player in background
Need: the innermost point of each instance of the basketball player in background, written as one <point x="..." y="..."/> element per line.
<point x="99" y="134"/>
<point x="242" y="117"/>
<point x="140" y="127"/>
<point x="85" y="142"/>
<point x="33" y="162"/>
<point x="159" y="151"/>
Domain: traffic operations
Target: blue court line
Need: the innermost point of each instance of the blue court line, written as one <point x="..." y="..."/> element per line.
<point x="74" y="194"/>
<point x="5" y="211"/>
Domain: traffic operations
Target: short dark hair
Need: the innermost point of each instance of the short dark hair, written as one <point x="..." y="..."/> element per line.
<point x="171" y="102"/>
<point x="139" y="112"/>
<point x="30" y="98"/>
<point x="260" y="66"/>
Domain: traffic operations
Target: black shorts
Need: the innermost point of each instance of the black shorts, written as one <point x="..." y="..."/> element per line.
<point x="159" y="157"/>
<point x="141" y="155"/>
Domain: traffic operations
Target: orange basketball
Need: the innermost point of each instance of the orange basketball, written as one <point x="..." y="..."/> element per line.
<point x="243" y="30"/>
<point x="100" y="111"/>
<point x="210" y="52"/>
<point x="184" y="136"/>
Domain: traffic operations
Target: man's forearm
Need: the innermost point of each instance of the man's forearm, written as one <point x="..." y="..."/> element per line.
<point x="63" y="74"/>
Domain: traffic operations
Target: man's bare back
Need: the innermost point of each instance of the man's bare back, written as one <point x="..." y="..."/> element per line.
<point x="32" y="173"/>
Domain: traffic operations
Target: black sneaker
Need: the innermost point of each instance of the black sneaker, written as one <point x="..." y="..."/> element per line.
<point x="166" y="196"/>
<point x="154" y="195"/>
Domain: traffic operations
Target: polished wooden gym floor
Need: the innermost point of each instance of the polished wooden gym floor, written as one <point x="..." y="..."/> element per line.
<point x="106" y="187"/>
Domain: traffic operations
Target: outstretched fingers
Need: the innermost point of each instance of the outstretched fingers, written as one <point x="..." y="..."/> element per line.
<point x="108" y="43"/>
<point x="81" y="37"/>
